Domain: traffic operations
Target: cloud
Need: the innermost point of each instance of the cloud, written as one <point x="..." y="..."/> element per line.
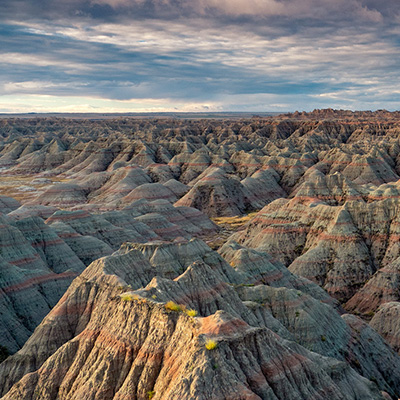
<point x="356" y="10"/>
<point x="236" y="54"/>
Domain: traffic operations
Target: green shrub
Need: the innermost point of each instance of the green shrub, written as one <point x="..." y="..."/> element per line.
<point x="211" y="344"/>
<point x="173" y="306"/>
<point x="130" y="297"/>
<point x="150" y="394"/>
<point x="191" y="313"/>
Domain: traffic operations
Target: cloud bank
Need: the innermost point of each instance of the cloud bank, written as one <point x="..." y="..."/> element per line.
<point x="259" y="55"/>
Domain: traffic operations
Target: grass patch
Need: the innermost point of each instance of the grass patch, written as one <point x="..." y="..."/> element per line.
<point x="236" y="221"/>
<point x="150" y="394"/>
<point x="127" y="297"/>
<point x="173" y="306"/>
<point x="211" y="344"/>
<point x="191" y="312"/>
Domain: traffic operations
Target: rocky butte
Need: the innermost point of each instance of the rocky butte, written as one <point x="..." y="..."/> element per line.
<point x="205" y="259"/>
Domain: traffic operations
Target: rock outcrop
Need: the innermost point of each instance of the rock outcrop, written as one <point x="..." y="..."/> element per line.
<point x="36" y="267"/>
<point x="132" y="319"/>
<point x="108" y="292"/>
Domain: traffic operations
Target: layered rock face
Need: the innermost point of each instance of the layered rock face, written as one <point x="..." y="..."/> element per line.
<point x="36" y="267"/>
<point x="40" y="258"/>
<point x="339" y="246"/>
<point x="129" y="326"/>
<point x="108" y="292"/>
<point x="220" y="167"/>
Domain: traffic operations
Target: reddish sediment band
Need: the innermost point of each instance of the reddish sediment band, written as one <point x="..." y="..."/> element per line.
<point x="38" y="280"/>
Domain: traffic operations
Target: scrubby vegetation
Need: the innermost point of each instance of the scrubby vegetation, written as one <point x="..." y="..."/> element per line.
<point x="191" y="312"/>
<point x="173" y="306"/>
<point x="211" y="344"/>
<point x="129" y="297"/>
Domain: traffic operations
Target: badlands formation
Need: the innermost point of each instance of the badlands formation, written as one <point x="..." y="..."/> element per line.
<point x="201" y="259"/>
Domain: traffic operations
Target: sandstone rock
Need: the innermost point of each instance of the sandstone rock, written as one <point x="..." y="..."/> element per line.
<point x="241" y="351"/>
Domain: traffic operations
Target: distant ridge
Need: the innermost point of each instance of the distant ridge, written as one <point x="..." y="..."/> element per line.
<point x="332" y="114"/>
<point x="179" y="115"/>
<point x="319" y="114"/>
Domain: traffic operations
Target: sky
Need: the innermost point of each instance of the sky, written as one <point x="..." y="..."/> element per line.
<point x="198" y="55"/>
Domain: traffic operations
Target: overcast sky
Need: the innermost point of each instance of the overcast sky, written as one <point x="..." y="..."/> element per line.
<point x="199" y="55"/>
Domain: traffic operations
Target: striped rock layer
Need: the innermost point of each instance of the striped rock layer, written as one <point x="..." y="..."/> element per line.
<point x="124" y="329"/>
<point x="40" y="258"/>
